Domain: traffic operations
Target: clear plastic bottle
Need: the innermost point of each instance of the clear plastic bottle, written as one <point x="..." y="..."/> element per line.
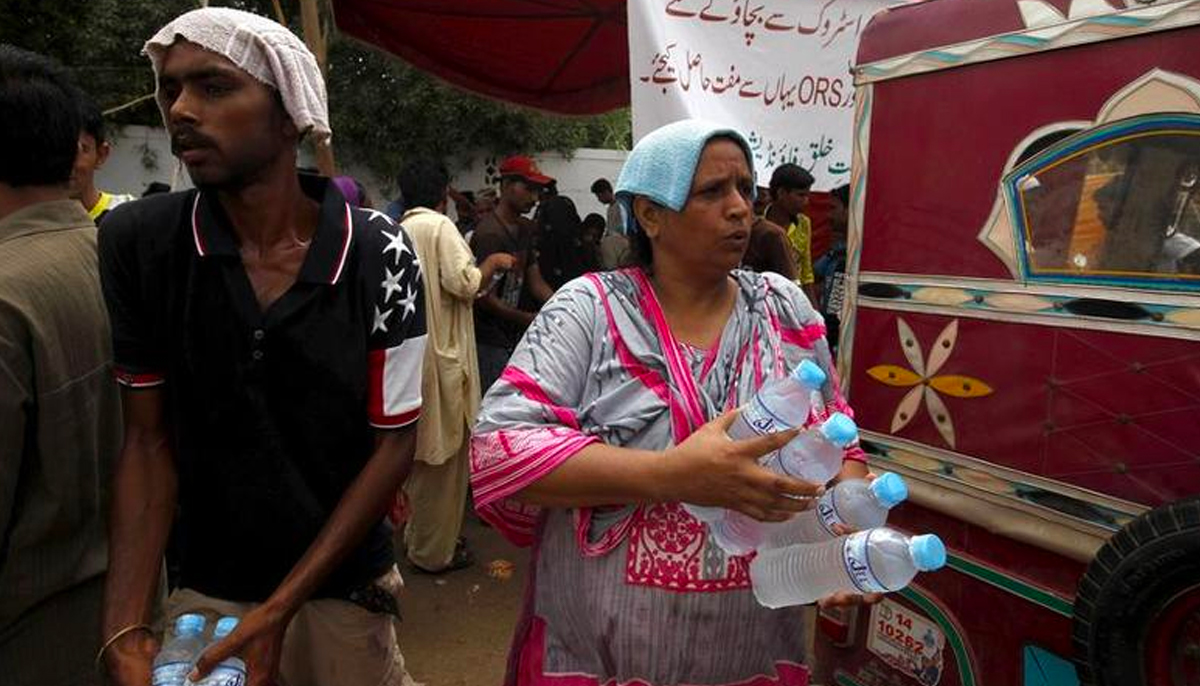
<point x="232" y="670"/>
<point x="872" y="561"/>
<point x="815" y="456"/>
<point x="179" y="653"/>
<point x="780" y="404"/>
<point x="855" y="503"/>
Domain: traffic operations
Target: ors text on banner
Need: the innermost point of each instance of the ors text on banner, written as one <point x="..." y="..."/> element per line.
<point x="776" y="70"/>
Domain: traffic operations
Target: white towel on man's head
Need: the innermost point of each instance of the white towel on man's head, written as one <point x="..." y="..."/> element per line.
<point x="266" y="50"/>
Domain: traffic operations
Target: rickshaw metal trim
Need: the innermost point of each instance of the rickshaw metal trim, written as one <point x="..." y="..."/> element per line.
<point x="858" y="192"/>
<point x="1129" y="22"/>
<point x="938" y="479"/>
<point x="1022" y="589"/>
<point x="1167" y="316"/>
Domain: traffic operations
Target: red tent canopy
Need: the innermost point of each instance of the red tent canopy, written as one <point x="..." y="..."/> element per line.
<point x="564" y="56"/>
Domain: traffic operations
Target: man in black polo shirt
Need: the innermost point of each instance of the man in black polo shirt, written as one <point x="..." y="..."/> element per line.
<point x="269" y="341"/>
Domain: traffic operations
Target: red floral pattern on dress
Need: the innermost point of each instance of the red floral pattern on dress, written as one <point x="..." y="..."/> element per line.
<point x="666" y="550"/>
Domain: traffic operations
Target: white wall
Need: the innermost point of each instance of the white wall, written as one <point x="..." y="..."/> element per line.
<point x="143" y="154"/>
<point x="140" y="155"/>
<point x="574" y="174"/>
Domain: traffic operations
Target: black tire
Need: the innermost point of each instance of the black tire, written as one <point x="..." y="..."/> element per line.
<point x="1150" y="561"/>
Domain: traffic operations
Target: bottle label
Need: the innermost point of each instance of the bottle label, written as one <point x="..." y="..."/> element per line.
<point x="170" y="674"/>
<point x="858" y="565"/>
<point x="827" y="513"/>
<point x="756" y="419"/>
<point x="225" y="675"/>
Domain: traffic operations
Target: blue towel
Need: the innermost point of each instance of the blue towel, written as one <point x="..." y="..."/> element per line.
<point x="662" y="164"/>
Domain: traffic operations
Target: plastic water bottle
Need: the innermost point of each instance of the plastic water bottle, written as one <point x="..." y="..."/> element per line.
<point x="855" y="503"/>
<point x="232" y="670"/>
<point x="873" y="561"/>
<point x="815" y="456"/>
<point x="779" y="405"/>
<point x="175" y="659"/>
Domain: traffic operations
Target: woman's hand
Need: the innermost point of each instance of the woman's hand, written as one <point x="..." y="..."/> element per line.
<point x="847" y="599"/>
<point x="711" y="469"/>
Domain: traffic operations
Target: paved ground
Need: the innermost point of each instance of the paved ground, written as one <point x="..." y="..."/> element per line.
<point x="457" y="626"/>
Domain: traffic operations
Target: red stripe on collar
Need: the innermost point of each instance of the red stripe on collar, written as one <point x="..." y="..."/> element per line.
<point x="201" y="249"/>
<point x="341" y="263"/>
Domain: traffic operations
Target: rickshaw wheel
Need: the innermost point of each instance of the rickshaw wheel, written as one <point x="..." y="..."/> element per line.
<point x="1137" y="608"/>
<point x="1173" y="644"/>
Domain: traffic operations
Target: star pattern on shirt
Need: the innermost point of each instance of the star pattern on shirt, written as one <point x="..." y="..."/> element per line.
<point x="381" y="320"/>
<point x="391" y="283"/>
<point x="373" y="214"/>
<point x="408" y="302"/>
<point x="401" y="285"/>
<point x="396" y="243"/>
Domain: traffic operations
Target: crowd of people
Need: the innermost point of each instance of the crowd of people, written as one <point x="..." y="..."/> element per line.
<point x="297" y="374"/>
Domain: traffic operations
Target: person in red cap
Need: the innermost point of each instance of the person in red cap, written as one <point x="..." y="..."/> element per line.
<point x="499" y="319"/>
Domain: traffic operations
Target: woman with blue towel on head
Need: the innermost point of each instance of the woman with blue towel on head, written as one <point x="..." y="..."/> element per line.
<point x="612" y="412"/>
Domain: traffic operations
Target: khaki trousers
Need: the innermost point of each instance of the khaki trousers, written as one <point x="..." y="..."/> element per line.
<point x="436" y="497"/>
<point x="329" y="642"/>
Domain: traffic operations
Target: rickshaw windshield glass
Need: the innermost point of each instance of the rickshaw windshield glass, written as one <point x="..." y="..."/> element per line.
<point x="1123" y="207"/>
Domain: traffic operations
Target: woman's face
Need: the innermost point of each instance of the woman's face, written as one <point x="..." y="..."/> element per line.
<point x="712" y="230"/>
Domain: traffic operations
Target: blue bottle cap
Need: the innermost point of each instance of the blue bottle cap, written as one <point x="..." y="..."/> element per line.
<point x="928" y="552"/>
<point x="809" y="374"/>
<point x="890" y="489"/>
<point x="840" y="429"/>
<point x="189" y="624"/>
<point x="225" y="626"/>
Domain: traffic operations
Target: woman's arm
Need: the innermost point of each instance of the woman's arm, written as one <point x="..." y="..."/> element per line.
<point x="706" y="469"/>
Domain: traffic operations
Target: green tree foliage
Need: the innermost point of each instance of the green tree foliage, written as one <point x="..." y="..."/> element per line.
<point x="101" y="40"/>
<point x="382" y="110"/>
<point x="385" y="111"/>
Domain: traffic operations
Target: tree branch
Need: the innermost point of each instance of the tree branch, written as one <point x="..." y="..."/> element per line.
<point x="131" y="103"/>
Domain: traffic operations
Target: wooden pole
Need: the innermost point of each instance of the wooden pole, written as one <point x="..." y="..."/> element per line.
<point x="310" y="20"/>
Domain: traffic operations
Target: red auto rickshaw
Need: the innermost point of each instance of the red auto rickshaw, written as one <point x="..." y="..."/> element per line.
<point x="1021" y="340"/>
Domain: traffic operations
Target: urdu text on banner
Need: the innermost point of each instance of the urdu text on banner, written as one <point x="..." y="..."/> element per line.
<point x="776" y="70"/>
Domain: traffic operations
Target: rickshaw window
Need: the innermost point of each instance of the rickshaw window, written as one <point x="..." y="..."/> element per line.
<point x="1117" y="204"/>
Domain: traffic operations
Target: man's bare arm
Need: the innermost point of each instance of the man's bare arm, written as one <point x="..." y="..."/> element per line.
<point x="145" y="485"/>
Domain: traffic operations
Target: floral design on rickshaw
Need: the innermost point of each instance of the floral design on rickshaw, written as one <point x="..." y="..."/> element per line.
<point x="925" y="382"/>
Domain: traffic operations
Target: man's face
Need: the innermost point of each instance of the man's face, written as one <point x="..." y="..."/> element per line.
<point x="605" y="197"/>
<point x="225" y="126"/>
<point x="520" y="195"/>
<point x="464" y="209"/>
<point x="792" y="200"/>
<point x="91" y="156"/>
<point x="838" y="217"/>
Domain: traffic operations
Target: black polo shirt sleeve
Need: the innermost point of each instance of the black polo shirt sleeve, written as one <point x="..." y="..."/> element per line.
<point x="138" y="363"/>
<point x="396" y="341"/>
